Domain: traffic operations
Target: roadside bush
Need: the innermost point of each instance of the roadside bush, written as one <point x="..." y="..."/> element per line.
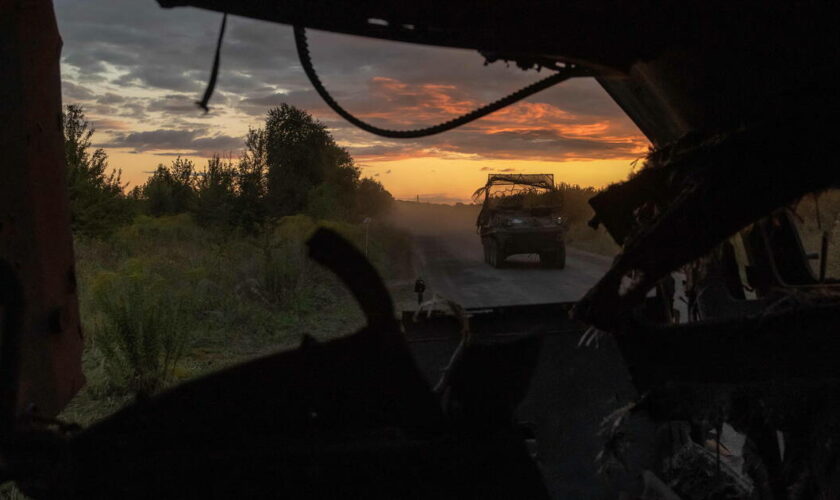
<point x="372" y="199"/>
<point x="285" y="271"/>
<point x="215" y="193"/>
<point x="576" y="202"/>
<point x="170" y="189"/>
<point x="151" y="232"/>
<point x="291" y="280"/>
<point x="165" y="299"/>
<point x="140" y="329"/>
<point x="97" y="203"/>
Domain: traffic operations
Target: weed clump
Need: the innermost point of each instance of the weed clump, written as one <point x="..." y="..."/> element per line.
<point x="140" y="330"/>
<point x="165" y="299"/>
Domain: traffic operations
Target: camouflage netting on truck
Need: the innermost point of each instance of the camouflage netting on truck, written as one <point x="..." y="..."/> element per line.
<point x="518" y="192"/>
<point x="500" y="185"/>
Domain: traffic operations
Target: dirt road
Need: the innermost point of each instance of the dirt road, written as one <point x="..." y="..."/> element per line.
<point x="452" y="265"/>
<point x="449" y="257"/>
<point x="573" y="388"/>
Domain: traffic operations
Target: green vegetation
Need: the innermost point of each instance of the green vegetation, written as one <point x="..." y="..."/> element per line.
<point x="97" y="202"/>
<point x="165" y="299"/>
<point x="577" y="209"/>
<point x="139" y="332"/>
<point x="199" y="269"/>
<point x="290" y="166"/>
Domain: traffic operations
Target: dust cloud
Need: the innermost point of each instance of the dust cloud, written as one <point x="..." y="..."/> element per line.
<point x="424" y="219"/>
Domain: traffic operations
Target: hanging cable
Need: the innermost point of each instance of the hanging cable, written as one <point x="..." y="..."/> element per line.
<point x="306" y="61"/>
<point x="214" y="73"/>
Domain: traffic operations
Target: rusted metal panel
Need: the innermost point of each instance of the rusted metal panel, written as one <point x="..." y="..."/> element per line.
<point x="35" y="237"/>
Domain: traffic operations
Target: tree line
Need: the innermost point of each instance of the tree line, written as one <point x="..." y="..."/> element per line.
<point x="289" y="166"/>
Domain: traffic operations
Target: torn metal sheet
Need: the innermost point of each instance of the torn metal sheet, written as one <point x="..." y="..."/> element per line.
<point x="732" y="179"/>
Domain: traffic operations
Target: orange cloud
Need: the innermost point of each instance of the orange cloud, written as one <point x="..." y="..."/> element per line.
<point x="409" y="103"/>
<point x="541" y="130"/>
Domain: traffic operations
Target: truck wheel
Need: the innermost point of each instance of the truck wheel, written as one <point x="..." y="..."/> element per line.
<point x="555" y="259"/>
<point x="548" y="259"/>
<point x="494" y="257"/>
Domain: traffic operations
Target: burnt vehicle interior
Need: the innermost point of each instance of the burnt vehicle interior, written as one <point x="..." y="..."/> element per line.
<point x="740" y="102"/>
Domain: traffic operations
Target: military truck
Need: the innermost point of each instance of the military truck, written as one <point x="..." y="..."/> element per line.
<point x="521" y="214"/>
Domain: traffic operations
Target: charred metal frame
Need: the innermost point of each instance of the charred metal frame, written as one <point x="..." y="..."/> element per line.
<point x="724" y="152"/>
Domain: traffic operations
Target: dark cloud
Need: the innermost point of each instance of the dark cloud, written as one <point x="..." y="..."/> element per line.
<point x="537" y="145"/>
<point x="188" y="142"/>
<point x="258" y="103"/>
<point x="135" y="110"/>
<point x="173" y="48"/>
<point x="164" y="56"/>
<point x="174" y="104"/>
<point x="75" y="92"/>
<point x="110" y="98"/>
<point x="485" y="169"/>
<point x="160" y="76"/>
<point x="218" y="143"/>
<point x="145" y="44"/>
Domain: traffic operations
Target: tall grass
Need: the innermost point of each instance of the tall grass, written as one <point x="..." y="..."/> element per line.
<point x="165" y="299"/>
<point x="140" y="330"/>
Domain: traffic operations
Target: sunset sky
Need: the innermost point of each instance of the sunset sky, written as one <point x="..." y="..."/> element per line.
<point x="138" y="69"/>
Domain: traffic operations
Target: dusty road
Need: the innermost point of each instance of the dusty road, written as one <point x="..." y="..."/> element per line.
<point x="452" y="265"/>
<point x="449" y="257"/>
<point x="573" y="388"/>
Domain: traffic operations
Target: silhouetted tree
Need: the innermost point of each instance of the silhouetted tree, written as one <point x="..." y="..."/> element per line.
<point x="170" y="188"/>
<point x="372" y="199"/>
<point x="576" y="202"/>
<point x="215" y="193"/>
<point x="249" y="207"/>
<point x="301" y="156"/>
<point x="98" y="204"/>
<point x="335" y="196"/>
<point x="292" y="165"/>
